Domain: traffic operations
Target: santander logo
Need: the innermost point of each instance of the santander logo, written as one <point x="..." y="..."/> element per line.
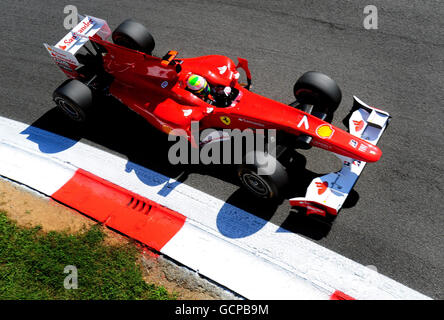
<point x="84" y="25"/>
<point x="358" y="125"/>
<point x="322" y="187"/>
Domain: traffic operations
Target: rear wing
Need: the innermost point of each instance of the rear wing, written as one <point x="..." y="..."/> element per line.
<point x="327" y="194"/>
<point x="64" y="51"/>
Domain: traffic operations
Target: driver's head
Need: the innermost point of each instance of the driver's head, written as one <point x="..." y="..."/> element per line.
<point x="198" y="84"/>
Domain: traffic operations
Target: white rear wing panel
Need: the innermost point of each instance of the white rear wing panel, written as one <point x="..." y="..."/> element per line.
<point x="64" y="51"/>
<point x="327" y="194"/>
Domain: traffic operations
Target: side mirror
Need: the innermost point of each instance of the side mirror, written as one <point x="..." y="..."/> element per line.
<point x="166" y="60"/>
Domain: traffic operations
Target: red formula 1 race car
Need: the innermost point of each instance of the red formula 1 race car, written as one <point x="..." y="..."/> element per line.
<point x="156" y="88"/>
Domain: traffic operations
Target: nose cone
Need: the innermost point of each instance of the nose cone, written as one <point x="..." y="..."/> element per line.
<point x="370" y="153"/>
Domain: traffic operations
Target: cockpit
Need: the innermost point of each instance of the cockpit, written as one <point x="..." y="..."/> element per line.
<point x="216" y="74"/>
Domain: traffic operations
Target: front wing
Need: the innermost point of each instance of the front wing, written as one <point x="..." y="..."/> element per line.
<point x="327" y="194"/>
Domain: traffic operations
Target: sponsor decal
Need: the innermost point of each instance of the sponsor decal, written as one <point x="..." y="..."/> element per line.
<point x="325" y="131"/>
<point x="358" y="125"/>
<point x="84" y="25"/>
<point x="225" y="120"/>
<point x="363" y="147"/>
<point x="315" y="209"/>
<point x="355" y="163"/>
<point x="312" y="209"/>
<point x="68" y="42"/>
<point x="63" y="64"/>
<point x="63" y="59"/>
<point x="252" y="122"/>
<point x="354" y="143"/>
<point x="222" y="69"/>
<point x="304" y="121"/>
<point x="187" y="112"/>
<point x="164" y="84"/>
<point x="322" y="187"/>
<point x="321" y="145"/>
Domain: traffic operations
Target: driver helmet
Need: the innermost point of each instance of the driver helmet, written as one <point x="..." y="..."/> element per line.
<point x="198" y="84"/>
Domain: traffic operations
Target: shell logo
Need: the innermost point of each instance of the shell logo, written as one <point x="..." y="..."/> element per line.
<point x="325" y="131"/>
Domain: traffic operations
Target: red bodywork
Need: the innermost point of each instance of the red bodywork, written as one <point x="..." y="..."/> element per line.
<point x="158" y="93"/>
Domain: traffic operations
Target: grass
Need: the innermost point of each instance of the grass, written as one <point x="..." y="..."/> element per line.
<point x="32" y="264"/>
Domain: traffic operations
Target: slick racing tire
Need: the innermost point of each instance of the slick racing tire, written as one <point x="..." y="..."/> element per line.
<point x="319" y="90"/>
<point x="263" y="175"/>
<point x="133" y="35"/>
<point x="74" y="98"/>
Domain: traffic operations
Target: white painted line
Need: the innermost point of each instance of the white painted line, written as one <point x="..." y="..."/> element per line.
<point x="33" y="169"/>
<point x="248" y="274"/>
<point x="225" y="243"/>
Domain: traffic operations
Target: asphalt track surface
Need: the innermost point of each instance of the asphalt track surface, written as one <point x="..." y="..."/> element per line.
<point x="394" y="220"/>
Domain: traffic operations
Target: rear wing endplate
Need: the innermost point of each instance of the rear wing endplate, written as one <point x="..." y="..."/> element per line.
<point x="327" y="194"/>
<point x="64" y="51"/>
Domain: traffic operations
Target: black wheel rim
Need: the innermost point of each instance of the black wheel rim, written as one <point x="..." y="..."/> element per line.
<point x="256" y="184"/>
<point x="69" y="109"/>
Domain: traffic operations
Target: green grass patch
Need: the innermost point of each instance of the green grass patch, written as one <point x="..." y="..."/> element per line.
<point x="32" y="266"/>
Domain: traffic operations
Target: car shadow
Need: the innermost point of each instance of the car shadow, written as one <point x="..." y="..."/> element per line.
<point x="120" y="130"/>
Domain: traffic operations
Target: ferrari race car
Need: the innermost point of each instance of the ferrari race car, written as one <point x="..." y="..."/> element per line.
<point x="155" y="88"/>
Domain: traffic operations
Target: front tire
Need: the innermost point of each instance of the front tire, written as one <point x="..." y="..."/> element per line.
<point x="317" y="89"/>
<point x="271" y="181"/>
<point x="74" y="98"/>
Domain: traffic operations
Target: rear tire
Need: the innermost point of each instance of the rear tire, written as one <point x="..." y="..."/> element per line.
<point x="319" y="90"/>
<point x="271" y="183"/>
<point x="74" y="98"/>
<point x="133" y="35"/>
